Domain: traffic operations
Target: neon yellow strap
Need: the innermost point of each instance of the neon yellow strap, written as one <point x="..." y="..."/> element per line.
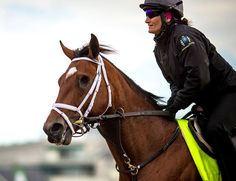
<point x="206" y="165"/>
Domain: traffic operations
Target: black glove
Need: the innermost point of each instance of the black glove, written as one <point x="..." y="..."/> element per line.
<point x="172" y="112"/>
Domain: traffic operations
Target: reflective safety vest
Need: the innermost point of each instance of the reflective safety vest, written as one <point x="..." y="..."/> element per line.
<point x="206" y="165"/>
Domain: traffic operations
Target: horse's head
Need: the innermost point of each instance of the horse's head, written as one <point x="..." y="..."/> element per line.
<point x="82" y="85"/>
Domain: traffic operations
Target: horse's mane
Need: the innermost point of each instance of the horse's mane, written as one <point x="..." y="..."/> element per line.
<point x="153" y="99"/>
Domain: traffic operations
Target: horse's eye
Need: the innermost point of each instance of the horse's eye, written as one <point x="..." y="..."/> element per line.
<point x="84" y="81"/>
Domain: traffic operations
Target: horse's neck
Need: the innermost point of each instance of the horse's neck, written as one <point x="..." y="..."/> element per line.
<point x="125" y="94"/>
<point x="140" y="136"/>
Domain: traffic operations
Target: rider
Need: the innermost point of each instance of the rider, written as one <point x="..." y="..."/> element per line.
<point x="196" y="74"/>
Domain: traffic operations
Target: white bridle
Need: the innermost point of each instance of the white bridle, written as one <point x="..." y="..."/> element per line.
<point x="101" y="71"/>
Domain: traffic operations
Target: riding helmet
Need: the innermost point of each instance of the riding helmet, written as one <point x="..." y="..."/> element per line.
<point x="175" y="5"/>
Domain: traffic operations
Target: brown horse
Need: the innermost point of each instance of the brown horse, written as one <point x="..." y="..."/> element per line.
<point x="145" y="144"/>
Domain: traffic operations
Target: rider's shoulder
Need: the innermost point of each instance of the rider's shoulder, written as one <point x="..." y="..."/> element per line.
<point x="185" y="36"/>
<point x="181" y="29"/>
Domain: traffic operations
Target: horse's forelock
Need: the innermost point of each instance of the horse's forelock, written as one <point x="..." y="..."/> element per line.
<point x="84" y="51"/>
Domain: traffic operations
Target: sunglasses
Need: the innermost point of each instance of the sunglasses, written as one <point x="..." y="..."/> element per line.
<point x="151" y="13"/>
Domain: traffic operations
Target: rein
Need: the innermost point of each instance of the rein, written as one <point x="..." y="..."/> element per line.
<point x="130" y="168"/>
<point x="97" y="119"/>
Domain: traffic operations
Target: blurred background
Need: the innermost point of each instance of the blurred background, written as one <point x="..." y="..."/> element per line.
<point x="31" y="61"/>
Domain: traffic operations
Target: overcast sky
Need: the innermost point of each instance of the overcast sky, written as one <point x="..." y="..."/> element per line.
<point x="31" y="59"/>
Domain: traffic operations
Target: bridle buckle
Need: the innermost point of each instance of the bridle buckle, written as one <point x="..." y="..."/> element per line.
<point x="79" y="122"/>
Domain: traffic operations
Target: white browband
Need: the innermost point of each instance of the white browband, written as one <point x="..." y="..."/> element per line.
<point x="101" y="72"/>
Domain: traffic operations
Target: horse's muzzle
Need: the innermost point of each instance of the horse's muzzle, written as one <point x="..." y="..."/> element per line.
<point x="58" y="133"/>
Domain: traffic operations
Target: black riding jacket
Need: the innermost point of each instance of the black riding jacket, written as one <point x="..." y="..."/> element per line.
<point x="190" y="63"/>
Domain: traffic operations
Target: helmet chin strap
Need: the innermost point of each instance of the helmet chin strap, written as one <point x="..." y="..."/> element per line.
<point x="166" y="19"/>
<point x="163" y="27"/>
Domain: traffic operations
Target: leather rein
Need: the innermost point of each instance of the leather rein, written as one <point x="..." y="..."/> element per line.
<point x="130" y="168"/>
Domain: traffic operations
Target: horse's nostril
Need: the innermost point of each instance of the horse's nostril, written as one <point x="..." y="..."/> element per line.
<point x="56" y="129"/>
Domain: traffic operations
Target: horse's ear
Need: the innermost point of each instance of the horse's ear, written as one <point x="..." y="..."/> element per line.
<point x="93" y="47"/>
<point x="68" y="52"/>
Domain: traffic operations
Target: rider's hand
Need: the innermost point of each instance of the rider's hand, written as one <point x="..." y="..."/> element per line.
<point x="172" y="112"/>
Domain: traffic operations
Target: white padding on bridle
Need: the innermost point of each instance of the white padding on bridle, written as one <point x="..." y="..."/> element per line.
<point x="101" y="71"/>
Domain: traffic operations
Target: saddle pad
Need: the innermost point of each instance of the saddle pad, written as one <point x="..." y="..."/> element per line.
<point x="206" y="165"/>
